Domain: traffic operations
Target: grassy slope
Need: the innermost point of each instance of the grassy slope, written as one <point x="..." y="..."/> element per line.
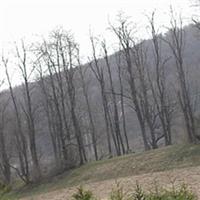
<point x="156" y="160"/>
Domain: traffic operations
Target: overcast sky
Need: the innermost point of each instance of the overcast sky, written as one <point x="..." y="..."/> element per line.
<point x="29" y="18"/>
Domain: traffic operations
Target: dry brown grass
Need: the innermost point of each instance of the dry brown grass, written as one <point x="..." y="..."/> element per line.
<point x="189" y="176"/>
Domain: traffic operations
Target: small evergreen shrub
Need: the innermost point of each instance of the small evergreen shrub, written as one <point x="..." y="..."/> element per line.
<point x="174" y="194"/>
<point x="138" y="194"/>
<point x="82" y="194"/>
<point x="117" y="193"/>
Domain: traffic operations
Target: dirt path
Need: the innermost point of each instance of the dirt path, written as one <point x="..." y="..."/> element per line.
<point x="190" y="176"/>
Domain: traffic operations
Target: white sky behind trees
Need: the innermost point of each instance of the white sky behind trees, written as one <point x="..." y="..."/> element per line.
<point x="30" y="19"/>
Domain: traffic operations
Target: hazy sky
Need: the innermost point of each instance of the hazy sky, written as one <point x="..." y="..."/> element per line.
<point x="28" y="18"/>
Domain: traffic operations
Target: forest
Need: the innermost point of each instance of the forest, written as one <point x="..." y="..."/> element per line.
<point x="67" y="111"/>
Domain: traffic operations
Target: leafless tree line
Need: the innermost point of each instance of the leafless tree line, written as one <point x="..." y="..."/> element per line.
<point x="62" y="81"/>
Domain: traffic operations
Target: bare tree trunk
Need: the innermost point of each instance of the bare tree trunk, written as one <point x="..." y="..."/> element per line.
<point x="99" y="74"/>
<point x="48" y="107"/>
<point x="5" y="163"/>
<point x="29" y="112"/>
<point x="114" y="100"/>
<point x="56" y="54"/>
<point x="59" y="121"/>
<point x="139" y="56"/>
<point x="176" y="44"/>
<point x="92" y="126"/>
<point x="124" y="35"/>
<point x="21" y="143"/>
<point x="160" y="94"/>
<point x="122" y="102"/>
<point x="69" y="75"/>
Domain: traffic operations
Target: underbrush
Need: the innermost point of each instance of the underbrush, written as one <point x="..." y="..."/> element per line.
<point x="4" y="189"/>
<point x="118" y="193"/>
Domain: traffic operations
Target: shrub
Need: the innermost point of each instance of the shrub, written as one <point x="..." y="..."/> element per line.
<point x="82" y="194"/>
<point x="118" y="193"/>
<point x="4" y="188"/>
<point x="183" y="193"/>
<point x="138" y="194"/>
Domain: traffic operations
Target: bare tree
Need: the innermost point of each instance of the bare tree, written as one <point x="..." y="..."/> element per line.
<point x="119" y="69"/>
<point x="29" y="111"/>
<point x="119" y="138"/>
<point x="50" y="56"/>
<point x="5" y="168"/>
<point x="51" y="119"/>
<point x="175" y="42"/>
<point x="99" y="74"/>
<point x="68" y="51"/>
<point x="124" y="34"/>
<point x="146" y="103"/>
<point x="164" y="104"/>
<point x="21" y="142"/>
<point x="89" y="110"/>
